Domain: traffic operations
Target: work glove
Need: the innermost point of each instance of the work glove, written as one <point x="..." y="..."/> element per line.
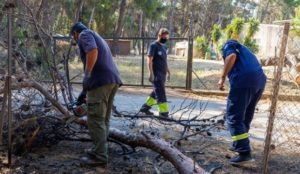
<point x="81" y="98"/>
<point x="151" y="78"/>
<point x="85" y="81"/>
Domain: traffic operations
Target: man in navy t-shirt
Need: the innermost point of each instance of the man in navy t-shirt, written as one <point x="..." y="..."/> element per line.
<point x="100" y="83"/>
<point x="247" y="83"/>
<point x="158" y="69"/>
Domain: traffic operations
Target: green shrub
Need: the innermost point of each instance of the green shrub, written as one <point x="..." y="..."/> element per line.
<point x="237" y="25"/>
<point x="216" y="33"/>
<point x="252" y="28"/>
<point x="201" y="44"/>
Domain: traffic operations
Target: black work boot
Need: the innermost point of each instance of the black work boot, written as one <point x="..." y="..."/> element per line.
<point x="241" y="158"/>
<point x="145" y="109"/>
<point x="164" y="114"/>
<point x="231" y="149"/>
<point x="90" y="160"/>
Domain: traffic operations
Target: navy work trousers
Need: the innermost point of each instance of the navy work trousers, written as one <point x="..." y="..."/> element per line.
<point x="159" y="92"/>
<point x="240" y="110"/>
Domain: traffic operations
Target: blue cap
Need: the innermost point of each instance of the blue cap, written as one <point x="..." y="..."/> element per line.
<point x="78" y="27"/>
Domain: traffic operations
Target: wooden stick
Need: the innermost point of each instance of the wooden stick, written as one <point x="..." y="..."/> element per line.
<point x="274" y="99"/>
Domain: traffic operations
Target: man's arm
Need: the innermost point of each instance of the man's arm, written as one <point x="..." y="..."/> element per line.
<point x="150" y="64"/>
<point x="91" y="58"/>
<point x="228" y="64"/>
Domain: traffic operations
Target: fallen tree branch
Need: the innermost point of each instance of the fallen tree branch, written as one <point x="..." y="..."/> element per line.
<point x="42" y="90"/>
<point x="182" y="122"/>
<point x="40" y="129"/>
<point x="181" y="162"/>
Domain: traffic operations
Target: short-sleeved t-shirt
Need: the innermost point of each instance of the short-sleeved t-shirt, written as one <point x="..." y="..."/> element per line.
<point x="159" y="54"/>
<point x="105" y="71"/>
<point x="247" y="71"/>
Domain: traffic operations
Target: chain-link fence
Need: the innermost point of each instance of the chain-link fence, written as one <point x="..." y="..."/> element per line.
<point x="282" y="145"/>
<point x="130" y="56"/>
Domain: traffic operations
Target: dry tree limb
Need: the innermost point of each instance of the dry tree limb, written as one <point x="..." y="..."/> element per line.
<point x="42" y="90"/>
<point x="181" y="162"/>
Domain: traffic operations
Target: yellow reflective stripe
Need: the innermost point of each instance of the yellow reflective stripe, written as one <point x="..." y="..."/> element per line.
<point x="163" y="107"/>
<point x="240" y="137"/>
<point x="150" y="101"/>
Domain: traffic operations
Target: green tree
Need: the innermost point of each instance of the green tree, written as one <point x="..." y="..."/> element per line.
<point x="252" y="28"/>
<point x="295" y="31"/>
<point x="216" y="33"/>
<point x="201" y="44"/>
<point x="237" y="25"/>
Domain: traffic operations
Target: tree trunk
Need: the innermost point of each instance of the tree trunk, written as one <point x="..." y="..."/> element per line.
<point x="120" y="23"/>
<point x="91" y="17"/>
<point x="119" y="28"/>
<point x="264" y="11"/>
<point x="171" y="23"/>
<point x="78" y="14"/>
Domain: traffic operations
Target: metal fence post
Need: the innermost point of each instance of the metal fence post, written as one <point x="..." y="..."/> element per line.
<point x="189" y="68"/>
<point x="274" y="99"/>
<point x="9" y="6"/>
<point x="143" y="61"/>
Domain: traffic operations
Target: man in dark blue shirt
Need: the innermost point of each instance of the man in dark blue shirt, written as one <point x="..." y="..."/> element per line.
<point x="158" y="69"/>
<point x="247" y="83"/>
<point x="100" y="83"/>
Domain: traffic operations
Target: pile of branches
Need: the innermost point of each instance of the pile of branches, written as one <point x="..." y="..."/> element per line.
<point x="47" y="126"/>
<point x="49" y="119"/>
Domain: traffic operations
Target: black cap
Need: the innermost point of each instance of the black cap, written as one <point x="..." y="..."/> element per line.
<point x="78" y="27"/>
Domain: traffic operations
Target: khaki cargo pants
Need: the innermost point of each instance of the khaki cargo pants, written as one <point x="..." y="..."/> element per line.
<point x="100" y="101"/>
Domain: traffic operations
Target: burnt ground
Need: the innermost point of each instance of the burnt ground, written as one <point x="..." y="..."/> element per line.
<point x="209" y="150"/>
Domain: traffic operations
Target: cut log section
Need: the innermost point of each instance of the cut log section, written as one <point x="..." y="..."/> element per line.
<point x="293" y="66"/>
<point x="271" y="61"/>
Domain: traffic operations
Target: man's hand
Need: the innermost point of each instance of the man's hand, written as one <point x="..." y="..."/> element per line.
<point x="221" y="84"/>
<point x="151" y="78"/>
<point x="86" y="78"/>
<point x="168" y="76"/>
<point x="81" y="98"/>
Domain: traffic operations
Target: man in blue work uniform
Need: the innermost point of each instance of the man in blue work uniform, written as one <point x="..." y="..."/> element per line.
<point x="247" y="83"/>
<point x="100" y="83"/>
<point x="159" y="72"/>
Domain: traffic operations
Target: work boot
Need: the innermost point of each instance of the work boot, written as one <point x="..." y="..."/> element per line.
<point x="145" y="109"/>
<point x="231" y="149"/>
<point x="90" y="152"/>
<point x="241" y="159"/>
<point x="92" y="161"/>
<point x="164" y="114"/>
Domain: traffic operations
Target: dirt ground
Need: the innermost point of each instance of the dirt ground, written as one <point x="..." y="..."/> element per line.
<point x="209" y="150"/>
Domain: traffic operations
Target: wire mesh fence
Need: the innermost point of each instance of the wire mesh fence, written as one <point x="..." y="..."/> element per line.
<point x="282" y="152"/>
